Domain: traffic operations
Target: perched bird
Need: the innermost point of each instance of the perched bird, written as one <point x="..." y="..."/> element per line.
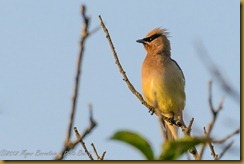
<point x="163" y="81"/>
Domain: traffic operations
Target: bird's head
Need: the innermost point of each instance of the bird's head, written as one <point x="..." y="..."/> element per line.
<point x="156" y="42"/>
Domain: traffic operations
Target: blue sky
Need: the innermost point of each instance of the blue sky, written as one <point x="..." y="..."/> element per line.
<point x="39" y="46"/>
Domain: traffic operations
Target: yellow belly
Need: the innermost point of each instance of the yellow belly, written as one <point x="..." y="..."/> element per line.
<point x="164" y="88"/>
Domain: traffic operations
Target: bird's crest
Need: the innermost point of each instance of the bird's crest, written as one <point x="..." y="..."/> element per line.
<point x="159" y="30"/>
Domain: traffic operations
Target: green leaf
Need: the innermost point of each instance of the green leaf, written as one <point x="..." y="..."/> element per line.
<point x="135" y="140"/>
<point x="172" y="150"/>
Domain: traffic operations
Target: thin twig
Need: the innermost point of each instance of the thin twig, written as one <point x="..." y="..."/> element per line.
<point x="215" y="156"/>
<point x="83" y="144"/>
<point x="72" y="145"/>
<point x="237" y="131"/>
<point x="225" y="149"/>
<point x="214" y="112"/>
<point x="91" y="114"/>
<point x="210" y="97"/>
<point x="103" y="155"/>
<point x="78" y="69"/>
<point x="187" y="132"/>
<point x="94" y="30"/>
<point x="95" y="150"/>
<point x="87" y="131"/>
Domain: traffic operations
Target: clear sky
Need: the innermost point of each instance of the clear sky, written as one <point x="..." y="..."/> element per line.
<point x="39" y="46"/>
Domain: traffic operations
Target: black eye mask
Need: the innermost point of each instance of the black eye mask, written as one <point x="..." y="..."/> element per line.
<point x="151" y="38"/>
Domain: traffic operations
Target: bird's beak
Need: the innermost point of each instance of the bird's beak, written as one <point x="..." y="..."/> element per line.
<point x="140" y="41"/>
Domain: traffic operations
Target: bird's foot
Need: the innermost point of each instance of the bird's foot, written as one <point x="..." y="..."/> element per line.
<point x="180" y="122"/>
<point x="171" y="118"/>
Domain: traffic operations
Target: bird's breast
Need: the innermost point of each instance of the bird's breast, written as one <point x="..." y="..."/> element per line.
<point x="163" y="86"/>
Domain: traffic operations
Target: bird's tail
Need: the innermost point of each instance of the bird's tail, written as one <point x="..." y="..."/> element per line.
<point x="171" y="131"/>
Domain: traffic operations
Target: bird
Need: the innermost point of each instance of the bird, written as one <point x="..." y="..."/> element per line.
<point x="163" y="82"/>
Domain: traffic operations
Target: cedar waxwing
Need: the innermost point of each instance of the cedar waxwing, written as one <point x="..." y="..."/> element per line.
<point x="163" y="81"/>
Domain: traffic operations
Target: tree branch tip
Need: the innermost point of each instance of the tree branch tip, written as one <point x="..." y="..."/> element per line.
<point x="237" y="131"/>
<point x="221" y="102"/>
<point x="102" y="157"/>
<point x="83" y="9"/>
<point x="101" y="21"/>
<point x="225" y="149"/>
<point x="191" y="122"/>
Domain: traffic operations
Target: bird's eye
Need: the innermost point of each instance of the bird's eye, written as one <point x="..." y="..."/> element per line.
<point x="151" y="38"/>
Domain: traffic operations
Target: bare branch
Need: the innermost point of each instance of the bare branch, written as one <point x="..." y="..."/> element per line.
<point x="72" y="145"/>
<point x="87" y="131"/>
<point x="187" y="132"/>
<point x="225" y="149"/>
<point x="78" y="69"/>
<point x="94" y="30"/>
<point x="237" y="131"/>
<point x="215" y="156"/>
<point x="98" y="157"/>
<point x="95" y="151"/>
<point x="83" y="144"/>
<point x="92" y="121"/>
<point x="210" y="97"/>
<point x="103" y="155"/>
